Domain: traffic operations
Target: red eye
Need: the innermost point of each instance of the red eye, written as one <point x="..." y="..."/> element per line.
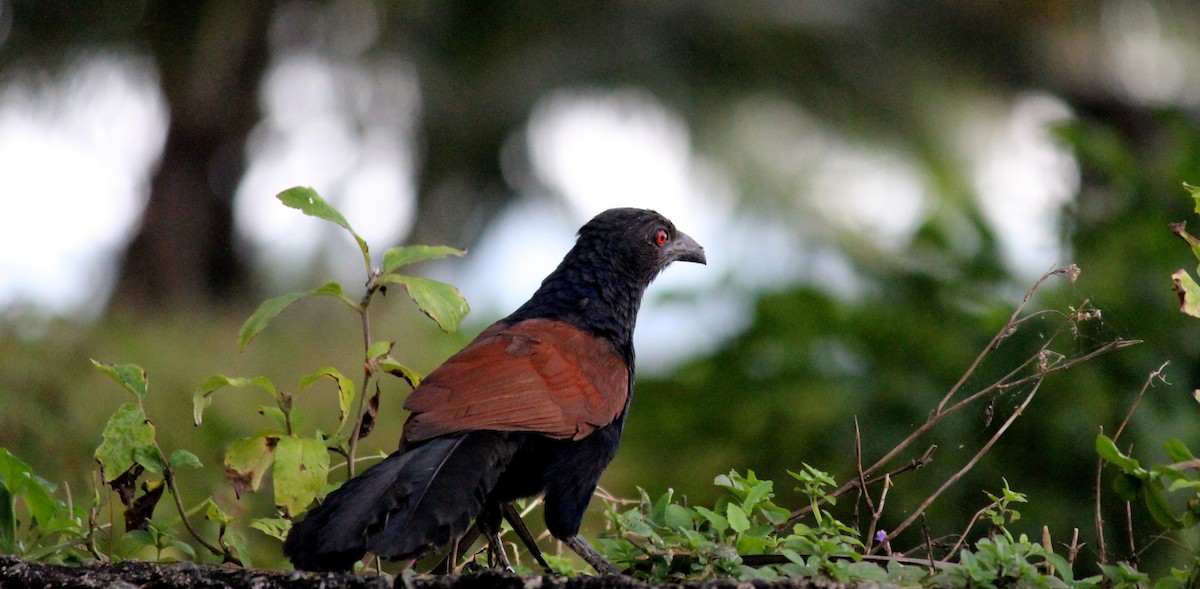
<point x="661" y="238"/>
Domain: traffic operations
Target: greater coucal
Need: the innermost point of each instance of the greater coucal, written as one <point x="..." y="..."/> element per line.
<point x="535" y="404"/>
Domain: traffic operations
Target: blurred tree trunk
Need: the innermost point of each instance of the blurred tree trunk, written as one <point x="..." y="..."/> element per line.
<point x="210" y="57"/>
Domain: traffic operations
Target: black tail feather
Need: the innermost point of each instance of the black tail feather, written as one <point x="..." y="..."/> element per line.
<point x="403" y="505"/>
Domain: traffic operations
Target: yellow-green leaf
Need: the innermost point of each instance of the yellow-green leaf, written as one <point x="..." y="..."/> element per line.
<point x="378" y="349"/>
<point x="737" y="519"/>
<point x="301" y="469"/>
<point x="345" y="388"/>
<point x="411" y="254"/>
<point x="129" y="376"/>
<point x="1194" y="191"/>
<point x="202" y="396"/>
<point x="389" y="365"/>
<point x="440" y="301"/>
<point x="247" y="460"/>
<point x="310" y="203"/>
<point x="1188" y="291"/>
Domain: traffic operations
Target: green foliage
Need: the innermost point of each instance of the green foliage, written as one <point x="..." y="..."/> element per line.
<point x="1004" y="562"/>
<point x="740" y="536"/>
<point x="666" y="539"/>
<point x="1153" y="484"/>
<point x="53" y="526"/>
<point x="138" y="472"/>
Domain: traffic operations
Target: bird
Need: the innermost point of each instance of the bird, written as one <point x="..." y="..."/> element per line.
<point x="535" y="404"/>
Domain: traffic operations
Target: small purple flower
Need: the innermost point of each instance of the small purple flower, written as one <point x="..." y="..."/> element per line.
<point x="881" y="536"/>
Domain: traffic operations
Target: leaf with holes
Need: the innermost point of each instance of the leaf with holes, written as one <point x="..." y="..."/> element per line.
<point x="127" y="436"/>
<point x="310" y="203"/>
<point x="300" y="472"/>
<point x="1188" y="292"/>
<point x="247" y="461"/>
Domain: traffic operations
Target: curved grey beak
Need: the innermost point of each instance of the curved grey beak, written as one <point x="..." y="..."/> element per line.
<point x="685" y="249"/>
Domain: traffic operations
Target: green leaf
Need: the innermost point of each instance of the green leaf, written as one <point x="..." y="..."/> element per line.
<point x="181" y="458"/>
<point x="127" y="431"/>
<point x="272" y="307"/>
<point x="247" y="460"/>
<point x="236" y="541"/>
<point x="277" y="416"/>
<point x="677" y="516"/>
<point x="389" y="365"/>
<point x="738" y="521"/>
<point x="8" y="521"/>
<point x="1178" y="451"/>
<point x="300" y="471"/>
<point x="717" y="521"/>
<point x="1194" y="191"/>
<point x="411" y="254"/>
<point x="18" y="480"/>
<point x="150" y="458"/>
<point x="310" y="203"/>
<point x="275" y="527"/>
<point x="1156" y="503"/>
<point x="1188" y="291"/>
<point x="202" y="396"/>
<point x="440" y="301"/>
<point x="1107" y="449"/>
<point x="1127" y="486"/>
<point x="345" y="388"/>
<point x="214" y="513"/>
<point x="130" y="376"/>
<point x="379" y="349"/>
<point x="757" y="493"/>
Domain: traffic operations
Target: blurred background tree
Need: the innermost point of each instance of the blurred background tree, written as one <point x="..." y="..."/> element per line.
<point x="877" y="184"/>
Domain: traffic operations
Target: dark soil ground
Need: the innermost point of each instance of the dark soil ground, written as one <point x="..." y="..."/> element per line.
<point x="16" y="573"/>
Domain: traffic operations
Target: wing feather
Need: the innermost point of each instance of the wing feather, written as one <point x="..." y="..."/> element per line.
<point x="537" y="375"/>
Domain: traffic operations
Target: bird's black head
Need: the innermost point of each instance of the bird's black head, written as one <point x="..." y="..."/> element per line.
<point x="637" y="242"/>
<point x="599" y="284"/>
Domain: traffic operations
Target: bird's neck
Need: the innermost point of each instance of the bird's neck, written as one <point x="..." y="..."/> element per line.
<point x="596" y="298"/>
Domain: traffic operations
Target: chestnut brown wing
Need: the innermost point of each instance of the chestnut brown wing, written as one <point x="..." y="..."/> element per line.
<point x="537" y="375"/>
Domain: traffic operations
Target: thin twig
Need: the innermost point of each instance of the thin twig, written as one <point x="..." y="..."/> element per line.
<point x="1100" y="543"/>
<point x="963" y="537"/>
<point x="971" y="463"/>
<point x="1073" y="549"/>
<point x="362" y="395"/>
<point x="1004" y="333"/>
<point x="928" y="543"/>
<point x="1133" y="553"/>
<point x="862" y="485"/>
<point x="999" y="386"/>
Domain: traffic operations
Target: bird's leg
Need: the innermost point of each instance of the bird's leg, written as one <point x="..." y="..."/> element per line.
<point x="513" y="517"/>
<point x="589" y="554"/>
<point x="496" y="552"/>
<point x="458" y="549"/>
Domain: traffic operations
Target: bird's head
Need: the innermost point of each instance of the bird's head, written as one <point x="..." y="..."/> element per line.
<point x="599" y="284"/>
<point x="638" y="241"/>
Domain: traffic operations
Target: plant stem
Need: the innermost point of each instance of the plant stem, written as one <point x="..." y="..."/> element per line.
<point x="169" y="476"/>
<point x="372" y="286"/>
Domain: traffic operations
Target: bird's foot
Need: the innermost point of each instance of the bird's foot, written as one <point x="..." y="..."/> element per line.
<point x="589" y="554"/>
<point x="496" y="554"/>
